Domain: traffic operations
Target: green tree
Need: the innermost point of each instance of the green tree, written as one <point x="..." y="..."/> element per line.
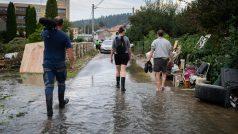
<point x="11" y="22"/>
<point x="51" y="9"/>
<point x="30" y="20"/>
<point x="27" y="23"/>
<point x="154" y="16"/>
<point x="101" y="24"/>
<point x="66" y="26"/>
<point x="36" y="36"/>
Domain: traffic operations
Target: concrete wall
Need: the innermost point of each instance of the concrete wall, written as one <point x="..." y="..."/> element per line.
<point x="33" y="55"/>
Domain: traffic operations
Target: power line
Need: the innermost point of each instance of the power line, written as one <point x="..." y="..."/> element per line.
<point x="114" y="8"/>
<point x="99" y="3"/>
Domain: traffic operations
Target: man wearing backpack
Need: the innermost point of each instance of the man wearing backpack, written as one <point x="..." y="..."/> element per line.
<point x="122" y="54"/>
<point x="162" y="50"/>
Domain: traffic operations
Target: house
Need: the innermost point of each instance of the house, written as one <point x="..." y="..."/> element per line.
<point x="75" y="31"/>
<point x="115" y="29"/>
<point x="103" y="34"/>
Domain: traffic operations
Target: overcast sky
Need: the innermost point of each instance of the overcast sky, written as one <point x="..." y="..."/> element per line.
<point x="82" y="9"/>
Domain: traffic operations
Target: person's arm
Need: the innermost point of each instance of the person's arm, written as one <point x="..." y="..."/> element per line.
<point x="113" y="50"/>
<point x="70" y="54"/>
<point x="171" y="54"/>
<point x="151" y="54"/>
<point x="151" y="51"/>
<point x="129" y="48"/>
<point x="129" y="53"/>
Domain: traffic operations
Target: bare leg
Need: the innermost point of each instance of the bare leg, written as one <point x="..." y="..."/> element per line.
<point x="163" y="79"/>
<point x="123" y="70"/>
<point x="118" y="70"/>
<point x="158" y="80"/>
<point x="123" y="77"/>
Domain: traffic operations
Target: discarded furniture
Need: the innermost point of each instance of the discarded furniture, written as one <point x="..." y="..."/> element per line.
<point x="201" y="73"/>
<point x="177" y="78"/>
<point x="221" y="92"/>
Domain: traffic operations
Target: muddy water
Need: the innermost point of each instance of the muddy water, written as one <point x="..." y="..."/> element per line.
<point x="96" y="106"/>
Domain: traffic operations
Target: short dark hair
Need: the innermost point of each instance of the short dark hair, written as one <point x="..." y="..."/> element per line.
<point x="59" y="21"/>
<point x="160" y="33"/>
<point x="121" y="30"/>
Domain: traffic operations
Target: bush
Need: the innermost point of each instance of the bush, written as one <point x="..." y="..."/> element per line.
<point x="36" y="36"/>
<point x="148" y="40"/>
<point x="79" y="39"/>
<point x="188" y="47"/>
<point x="15" y="45"/>
<point x="3" y="36"/>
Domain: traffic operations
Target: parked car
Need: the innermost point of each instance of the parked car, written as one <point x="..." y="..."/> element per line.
<point x="106" y="46"/>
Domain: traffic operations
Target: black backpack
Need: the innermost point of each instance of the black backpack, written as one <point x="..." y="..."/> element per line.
<point x="120" y="45"/>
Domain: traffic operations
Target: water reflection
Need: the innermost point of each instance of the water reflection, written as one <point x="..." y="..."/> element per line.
<point x="137" y="73"/>
<point x="32" y="79"/>
<point x="56" y="124"/>
<point x="120" y="112"/>
<point x="97" y="107"/>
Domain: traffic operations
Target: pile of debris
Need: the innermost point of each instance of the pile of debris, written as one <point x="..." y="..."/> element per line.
<point x="10" y="60"/>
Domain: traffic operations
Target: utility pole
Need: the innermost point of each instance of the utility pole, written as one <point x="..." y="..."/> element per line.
<point x="133" y="11"/>
<point x="93" y="21"/>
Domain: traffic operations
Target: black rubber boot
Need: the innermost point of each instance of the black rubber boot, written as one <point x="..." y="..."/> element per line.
<point x="49" y="103"/>
<point x="118" y="82"/>
<point x="123" y="79"/>
<point x="62" y="101"/>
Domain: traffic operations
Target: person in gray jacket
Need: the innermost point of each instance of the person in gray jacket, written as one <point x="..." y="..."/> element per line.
<point x="162" y="50"/>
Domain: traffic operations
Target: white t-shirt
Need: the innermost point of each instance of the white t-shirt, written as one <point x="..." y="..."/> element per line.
<point x="161" y="48"/>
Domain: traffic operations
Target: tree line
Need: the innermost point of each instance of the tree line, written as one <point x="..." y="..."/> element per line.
<point x="104" y="21"/>
<point x="200" y="17"/>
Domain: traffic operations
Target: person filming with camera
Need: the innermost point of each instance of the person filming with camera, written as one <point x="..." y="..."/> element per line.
<point x="57" y="44"/>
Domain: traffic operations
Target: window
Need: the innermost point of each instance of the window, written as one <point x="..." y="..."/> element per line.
<point x="60" y="10"/>
<point x="21" y="17"/>
<point x="38" y="10"/>
<point x="20" y="9"/>
<point x="3" y="9"/>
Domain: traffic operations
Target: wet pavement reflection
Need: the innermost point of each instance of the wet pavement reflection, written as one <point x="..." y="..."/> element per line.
<point x="96" y="106"/>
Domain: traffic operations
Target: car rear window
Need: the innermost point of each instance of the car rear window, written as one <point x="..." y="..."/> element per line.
<point x="107" y="42"/>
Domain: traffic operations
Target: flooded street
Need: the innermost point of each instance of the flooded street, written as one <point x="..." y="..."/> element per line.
<point x="97" y="107"/>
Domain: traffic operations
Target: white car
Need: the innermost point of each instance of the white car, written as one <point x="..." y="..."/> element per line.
<point x="106" y="46"/>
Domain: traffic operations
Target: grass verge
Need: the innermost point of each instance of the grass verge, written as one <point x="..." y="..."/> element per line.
<point x="80" y="63"/>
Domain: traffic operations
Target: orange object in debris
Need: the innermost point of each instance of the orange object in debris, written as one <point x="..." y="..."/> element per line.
<point x="186" y="83"/>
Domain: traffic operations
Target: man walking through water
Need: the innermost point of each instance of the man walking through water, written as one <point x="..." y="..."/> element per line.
<point x="56" y="44"/>
<point x="162" y="50"/>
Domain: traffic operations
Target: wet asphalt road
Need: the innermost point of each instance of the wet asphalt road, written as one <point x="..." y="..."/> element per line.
<point x="97" y="107"/>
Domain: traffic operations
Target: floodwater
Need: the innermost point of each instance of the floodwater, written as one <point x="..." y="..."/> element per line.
<point x="97" y="107"/>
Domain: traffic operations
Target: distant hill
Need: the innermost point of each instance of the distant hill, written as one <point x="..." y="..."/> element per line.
<point x="107" y="21"/>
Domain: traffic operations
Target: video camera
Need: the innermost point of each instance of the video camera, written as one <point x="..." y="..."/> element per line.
<point x="48" y="23"/>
